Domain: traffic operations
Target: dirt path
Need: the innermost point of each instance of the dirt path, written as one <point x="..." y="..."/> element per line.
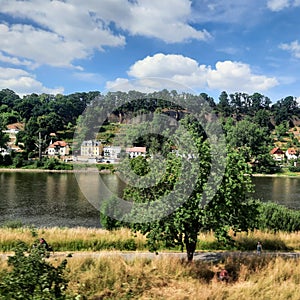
<point x="204" y="256"/>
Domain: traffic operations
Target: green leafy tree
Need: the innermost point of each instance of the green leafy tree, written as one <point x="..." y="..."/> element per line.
<point x="223" y="106"/>
<point x="181" y="224"/>
<point x="281" y="130"/>
<point x="4" y="138"/>
<point x="249" y="137"/>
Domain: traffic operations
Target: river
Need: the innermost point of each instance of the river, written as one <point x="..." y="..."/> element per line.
<point x="56" y="199"/>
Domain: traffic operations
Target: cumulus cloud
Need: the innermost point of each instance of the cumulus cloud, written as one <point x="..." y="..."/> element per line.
<point x="15" y="61"/>
<point x="226" y="75"/>
<point x="166" y="20"/>
<point x="58" y="32"/>
<point x="23" y="83"/>
<point x="278" y="5"/>
<point x="293" y="47"/>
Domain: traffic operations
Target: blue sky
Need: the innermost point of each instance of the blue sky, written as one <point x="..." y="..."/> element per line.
<point x="207" y="45"/>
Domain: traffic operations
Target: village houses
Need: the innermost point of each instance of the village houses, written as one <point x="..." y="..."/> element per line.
<point x="58" y="148"/>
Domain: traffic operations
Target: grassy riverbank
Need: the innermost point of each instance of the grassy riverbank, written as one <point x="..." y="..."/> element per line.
<point x="92" y="239"/>
<point x="164" y="277"/>
<point x="253" y="277"/>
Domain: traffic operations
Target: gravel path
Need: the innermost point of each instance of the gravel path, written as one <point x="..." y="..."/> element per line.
<point x="204" y="256"/>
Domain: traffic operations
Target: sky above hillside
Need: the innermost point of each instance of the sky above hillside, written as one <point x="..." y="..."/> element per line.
<point x="99" y="45"/>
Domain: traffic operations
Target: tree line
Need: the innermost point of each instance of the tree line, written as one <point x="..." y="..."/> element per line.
<point x="251" y="122"/>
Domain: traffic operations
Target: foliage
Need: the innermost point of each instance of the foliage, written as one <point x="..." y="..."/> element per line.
<point x="109" y="213"/>
<point x="4" y="138"/>
<point x="249" y="137"/>
<point x="32" y="277"/>
<point x="229" y="207"/>
<point x="277" y="217"/>
<point x="265" y="164"/>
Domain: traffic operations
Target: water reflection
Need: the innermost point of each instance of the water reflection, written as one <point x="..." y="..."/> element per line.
<point x="46" y="199"/>
<point x="281" y="190"/>
<point x="55" y="199"/>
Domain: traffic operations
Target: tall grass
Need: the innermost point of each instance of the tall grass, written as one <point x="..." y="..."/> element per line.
<point x="92" y="239"/>
<point x="172" y="278"/>
<point x="75" y="239"/>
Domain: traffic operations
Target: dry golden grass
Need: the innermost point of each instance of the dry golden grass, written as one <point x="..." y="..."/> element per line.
<point x="170" y="278"/>
<point x="85" y="239"/>
<point x="69" y="238"/>
<point x="291" y="240"/>
<point x="113" y="277"/>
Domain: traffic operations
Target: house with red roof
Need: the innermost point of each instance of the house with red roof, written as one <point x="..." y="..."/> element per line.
<point x="277" y="154"/>
<point x="58" y="148"/>
<point x="291" y="153"/>
<point x="136" y="151"/>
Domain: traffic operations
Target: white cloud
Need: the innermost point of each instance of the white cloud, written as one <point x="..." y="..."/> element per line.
<point x="23" y="83"/>
<point x="16" y="61"/>
<point x="233" y="76"/>
<point x="166" y="20"/>
<point x="65" y="31"/>
<point x="278" y="5"/>
<point x="293" y="47"/>
<point x="37" y="45"/>
<point x="227" y="75"/>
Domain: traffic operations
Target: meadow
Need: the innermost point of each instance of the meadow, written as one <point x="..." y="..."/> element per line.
<point x="95" y="239"/>
<point x="170" y="277"/>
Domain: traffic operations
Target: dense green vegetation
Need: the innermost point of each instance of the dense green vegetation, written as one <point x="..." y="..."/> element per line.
<point x="32" y="277"/>
<point x="251" y="123"/>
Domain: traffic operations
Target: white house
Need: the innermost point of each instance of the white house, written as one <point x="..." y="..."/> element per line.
<point x="112" y="153"/>
<point x="136" y="151"/>
<point x="12" y="131"/>
<point x="291" y="153"/>
<point x="277" y="154"/>
<point x="58" y="148"/>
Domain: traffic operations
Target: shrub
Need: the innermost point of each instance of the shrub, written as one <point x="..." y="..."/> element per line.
<point x="13" y="224"/>
<point x="278" y="217"/>
<point x="32" y="277"/>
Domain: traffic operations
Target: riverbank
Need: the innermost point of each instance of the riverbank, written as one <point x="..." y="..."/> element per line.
<point x="287" y="174"/>
<point x="95" y="239"/>
<point x="110" y="171"/>
<point x="104" y="264"/>
<point x="77" y="170"/>
<point x="115" y="275"/>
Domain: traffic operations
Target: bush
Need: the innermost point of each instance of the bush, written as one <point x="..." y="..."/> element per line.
<point x="278" y="217"/>
<point x="32" y="277"/>
<point x="13" y="224"/>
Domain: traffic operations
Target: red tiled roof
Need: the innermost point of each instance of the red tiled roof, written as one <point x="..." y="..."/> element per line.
<point x="136" y="149"/>
<point x="58" y="144"/>
<point x="291" y="151"/>
<point x="276" y="150"/>
<point x="16" y="126"/>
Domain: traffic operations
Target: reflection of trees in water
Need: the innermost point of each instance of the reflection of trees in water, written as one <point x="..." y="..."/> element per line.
<point x="45" y="199"/>
<point x="281" y="190"/>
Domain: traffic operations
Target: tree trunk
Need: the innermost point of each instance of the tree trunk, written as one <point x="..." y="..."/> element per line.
<point x="190" y="248"/>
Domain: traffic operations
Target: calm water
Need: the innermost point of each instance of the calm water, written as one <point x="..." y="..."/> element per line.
<point x="281" y="190"/>
<point x="48" y="199"/>
<point x="55" y="199"/>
